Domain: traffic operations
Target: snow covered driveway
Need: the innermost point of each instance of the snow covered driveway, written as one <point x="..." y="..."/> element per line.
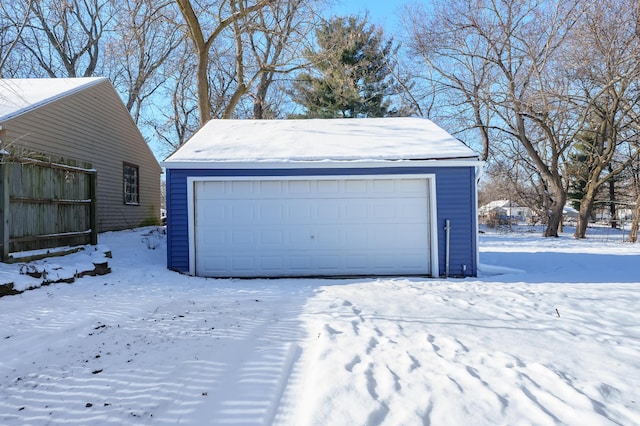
<point x="412" y="352"/>
<point x="556" y="343"/>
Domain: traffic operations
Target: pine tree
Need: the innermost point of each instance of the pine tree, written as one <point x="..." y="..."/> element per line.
<point x="578" y="170"/>
<point x="351" y="74"/>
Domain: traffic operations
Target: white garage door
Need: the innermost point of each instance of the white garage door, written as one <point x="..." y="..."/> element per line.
<point x="269" y="228"/>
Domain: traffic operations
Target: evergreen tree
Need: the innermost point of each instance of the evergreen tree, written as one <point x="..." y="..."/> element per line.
<point x="351" y="75"/>
<point x="578" y="169"/>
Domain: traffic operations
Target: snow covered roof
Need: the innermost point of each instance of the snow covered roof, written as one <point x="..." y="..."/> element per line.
<point x="331" y="140"/>
<point x="20" y="95"/>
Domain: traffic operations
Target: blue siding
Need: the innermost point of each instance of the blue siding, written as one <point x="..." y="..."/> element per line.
<point x="456" y="202"/>
<point x="456" y="198"/>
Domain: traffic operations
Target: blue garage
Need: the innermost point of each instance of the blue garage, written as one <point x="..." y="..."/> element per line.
<point x="305" y="198"/>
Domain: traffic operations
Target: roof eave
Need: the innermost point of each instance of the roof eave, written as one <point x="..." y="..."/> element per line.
<point x="323" y="164"/>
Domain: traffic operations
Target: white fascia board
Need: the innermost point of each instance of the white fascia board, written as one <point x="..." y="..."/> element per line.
<point x="364" y="164"/>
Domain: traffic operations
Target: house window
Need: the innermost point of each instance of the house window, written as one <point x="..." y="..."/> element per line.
<point x="131" y="184"/>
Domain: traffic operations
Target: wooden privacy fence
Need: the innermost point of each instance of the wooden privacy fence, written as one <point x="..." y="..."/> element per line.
<point x="46" y="202"/>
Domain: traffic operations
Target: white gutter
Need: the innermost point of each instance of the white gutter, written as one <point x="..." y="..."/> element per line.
<point x="326" y="164"/>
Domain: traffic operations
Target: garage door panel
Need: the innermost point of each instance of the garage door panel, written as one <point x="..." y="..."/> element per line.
<point x="355" y="186"/>
<point x="325" y="212"/>
<point x="355" y="262"/>
<point x="384" y="186"/>
<point x="299" y="236"/>
<point x="312" y="227"/>
<point x="214" y="238"/>
<point x="271" y="263"/>
<point x="242" y="187"/>
<point x="411" y="239"/>
<point x="241" y="212"/>
<point x="328" y="237"/>
<point x="299" y="186"/>
<point x="328" y="186"/>
<point x="271" y="187"/>
<point x="410" y="260"/>
<point x="384" y="211"/>
<point x="213" y="265"/>
<point x="384" y="262"/>
<point x="410" y="213"/>
<point x="270" y="237"/>
<point x="329" y="262"/>
<point x="210" y="191"/>
<point x="270" y="211"/>
<point x="212" y="211"/>
<point x="300" y="263"/>
<point x="409" y="186"/>
<point x="298" y="211"/>
<point x="358" y="236"/>
<point x="243" y="238"/>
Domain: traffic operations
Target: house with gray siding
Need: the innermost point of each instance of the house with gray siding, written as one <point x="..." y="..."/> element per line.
<point x="305" y="198"/>
<point x="84" y="119"/>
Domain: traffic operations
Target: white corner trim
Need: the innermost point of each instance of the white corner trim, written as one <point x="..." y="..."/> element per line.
<point x="191" y="181"/>
<point x="433" y="216"/>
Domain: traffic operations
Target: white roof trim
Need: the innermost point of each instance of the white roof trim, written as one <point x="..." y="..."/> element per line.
<point x="228" y="165"/>
<point x="21" y="95"/>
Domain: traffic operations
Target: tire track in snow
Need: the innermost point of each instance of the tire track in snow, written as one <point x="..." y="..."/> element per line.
<point x="117" y="365"/>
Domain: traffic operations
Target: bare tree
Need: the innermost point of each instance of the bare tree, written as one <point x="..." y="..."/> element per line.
<point x="459" y="63"/>
<point x="145" y="36"/>
<point x="218" y="17"/>
<point x="242" y="48"/>
<point x="13" y="20"/>
<point x="64" y="38"/>
<point x="502" y="59"/>
<point x="176" y="119"/>
<point x="604" y="55"/>
<point x="275" y="38"/>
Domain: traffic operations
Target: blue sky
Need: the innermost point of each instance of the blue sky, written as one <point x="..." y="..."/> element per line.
<point x="381" y="12"/>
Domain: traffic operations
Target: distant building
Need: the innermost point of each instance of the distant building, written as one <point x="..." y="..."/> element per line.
<point x="505" y="209"/>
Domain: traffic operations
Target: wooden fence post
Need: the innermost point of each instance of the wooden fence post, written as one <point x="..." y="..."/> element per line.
<point x="93" y="210"/>
<point x="4" y="205"/>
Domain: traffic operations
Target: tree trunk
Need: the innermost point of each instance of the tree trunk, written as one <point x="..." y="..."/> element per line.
<point x="612" y="199"/>
<point x="258" y="109"/>
<point x="202" y="50"/>
<point x="204" y="103"/>
<point x="554" y="225"/>
<point x="584" y="214"/>
<point x="635" y="224"/>
<point x="260" y="100"/>
<point x="233" y="102"/>
<point x="555" y="218"/>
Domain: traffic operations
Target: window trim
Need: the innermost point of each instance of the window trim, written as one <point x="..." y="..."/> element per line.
<point x="127" y="195"/>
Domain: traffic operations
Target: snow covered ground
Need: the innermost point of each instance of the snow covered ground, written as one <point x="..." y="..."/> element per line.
<point x="554" y="338"/>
